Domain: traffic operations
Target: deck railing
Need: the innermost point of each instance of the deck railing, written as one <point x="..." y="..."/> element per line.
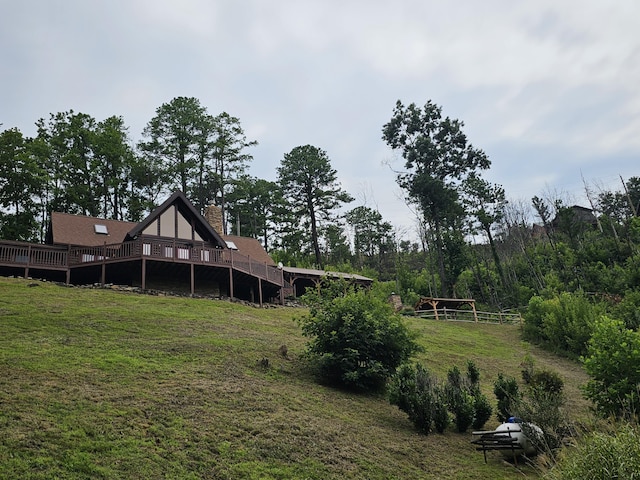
<point x="53" y="257"/>
<point x="23" y="254"/>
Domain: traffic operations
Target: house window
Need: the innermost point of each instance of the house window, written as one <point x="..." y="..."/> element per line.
<point x="205" y="256"/>
<point x="146" y="249"/>
<point x="183" y="253"/>
<point x="231" y="245"/>
<point x="101" y="229"/>
<point x="168" y="252"/>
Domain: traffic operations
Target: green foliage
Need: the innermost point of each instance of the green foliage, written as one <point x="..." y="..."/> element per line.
<point x="430" y="404"/>
<point x="612" y="362"/>
<point x="482" y="410"/>
<point x="628" y="310"/>
<point x="563" y="323"/>
<point x="356" y="341"/>
<point x="464" y="411"/>
<point x="441" y="417"/>
<point x="311" y="189"/>
<point x="438" y="160"/>
<point x="413" y="390"/>
<point x="507" y="393"/>
<point x="601" y="455"/>
<point x="547" y="381"/>
<point x="545" y="410"/>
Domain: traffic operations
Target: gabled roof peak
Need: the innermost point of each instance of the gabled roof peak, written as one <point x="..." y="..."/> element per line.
<point x="184" y="206"/>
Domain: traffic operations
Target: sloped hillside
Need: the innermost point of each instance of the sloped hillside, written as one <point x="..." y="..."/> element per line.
<point x="103" y="384"/>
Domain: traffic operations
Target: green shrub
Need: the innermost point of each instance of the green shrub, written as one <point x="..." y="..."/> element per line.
<point x="414" y="391"/>
<point x="563" y="323"/>
<point x="482" y="411"/>
<point x="356" y="341"/>
<point x="545" y="410"/>
<point x="547" y="380"/>
<point x="601" y="456"/>
<point x="507" y="393"/>
<point x="464" y="411"/>
<point x="628" y="310"/>
<point x="429" y="403"/>
<point x="441" y="418"/>
<point x="612" y="363"/>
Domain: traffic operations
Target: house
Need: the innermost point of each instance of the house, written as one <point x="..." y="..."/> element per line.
<point x="574" y="216"/>
<point x="174" y="248"/>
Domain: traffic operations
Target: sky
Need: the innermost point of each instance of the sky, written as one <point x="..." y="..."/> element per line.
<point x="549" y="90"/>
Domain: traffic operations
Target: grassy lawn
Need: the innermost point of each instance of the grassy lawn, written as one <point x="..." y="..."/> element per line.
<point x="103" y="384"/>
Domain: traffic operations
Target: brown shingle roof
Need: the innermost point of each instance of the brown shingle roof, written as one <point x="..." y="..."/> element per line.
<point x="67" y="229"/>
<point x="250" y="247"/>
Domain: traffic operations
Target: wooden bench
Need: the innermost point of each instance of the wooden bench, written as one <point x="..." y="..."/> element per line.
<point x="498" y="440"/>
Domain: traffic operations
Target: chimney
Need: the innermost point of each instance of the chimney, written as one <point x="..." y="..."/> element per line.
<point x="213" y="215"/>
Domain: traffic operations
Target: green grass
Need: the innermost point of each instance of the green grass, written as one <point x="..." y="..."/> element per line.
<point x="102" y="384"/>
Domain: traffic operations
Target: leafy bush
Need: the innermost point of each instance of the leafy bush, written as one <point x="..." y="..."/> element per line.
<point x="612" y="363"/>
<point x="414" y="391"/>
<point x="601" y="456"/>
<point x="466" y="403"/>
<point x="464" y="411"/>
<point x="564" y="323"/>
<point x="543" y="409"/>
<point x="482" y="411"/>
<point x="628" y="310"/>
<point x="441" y="418"/>
<point x="356" y="341"/>
<point x="547" y="381"/>
<point x="427" y="401"/>
<point x="507" y="393"/>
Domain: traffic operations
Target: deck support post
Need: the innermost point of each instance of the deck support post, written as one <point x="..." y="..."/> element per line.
<point x="193" y="279"/>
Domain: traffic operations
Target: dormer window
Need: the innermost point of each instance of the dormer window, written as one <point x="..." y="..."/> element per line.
<point x="101" y="229"/>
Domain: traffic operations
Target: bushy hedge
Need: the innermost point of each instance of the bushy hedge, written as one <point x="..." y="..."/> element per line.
<point x="356" y="341"/>
<point x="613" y="363"/>
<point x="431" y="404"/>
<point x="563" y="323"/>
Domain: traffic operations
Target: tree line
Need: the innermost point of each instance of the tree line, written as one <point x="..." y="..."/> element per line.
<point x="472" y="242"/>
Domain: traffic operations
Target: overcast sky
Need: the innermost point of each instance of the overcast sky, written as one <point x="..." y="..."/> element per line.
<point x="549" y="89"/>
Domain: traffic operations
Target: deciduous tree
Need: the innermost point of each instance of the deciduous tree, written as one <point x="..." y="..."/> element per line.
<point x="438" y="159"/>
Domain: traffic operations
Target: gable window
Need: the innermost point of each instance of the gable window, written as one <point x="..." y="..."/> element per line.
<point x="101" y="229"/>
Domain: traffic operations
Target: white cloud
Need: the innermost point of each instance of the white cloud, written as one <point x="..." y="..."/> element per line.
<point x="545" y="87"/>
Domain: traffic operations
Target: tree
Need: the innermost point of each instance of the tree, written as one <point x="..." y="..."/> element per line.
<point x="115" y="160"/>
<point x="177" y="141"/>
<point x="371" y="235"/>
<point x="20" y="183"/>
<point x="310" y="186"/>
<point x="66" y="150"/>
<point x="486" y="203"/>
<point x="228" y="155"/>
<point x="356" y="341"/>
<point x="438" y="158"/>
<point x="253" y="203"/>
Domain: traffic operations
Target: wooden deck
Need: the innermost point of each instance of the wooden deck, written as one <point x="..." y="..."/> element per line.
<point x="29" y="257"/>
